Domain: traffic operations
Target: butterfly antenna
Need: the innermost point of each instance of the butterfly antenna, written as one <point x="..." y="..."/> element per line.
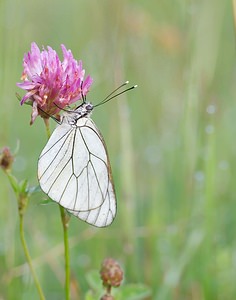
<point x="82" y="95"/>
<point x="119" y="87"/>
<point x="49" y="116"/>
<point x="109" y="97"/>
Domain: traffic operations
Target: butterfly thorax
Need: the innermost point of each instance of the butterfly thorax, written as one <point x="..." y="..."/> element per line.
<point x="72" y="116"/>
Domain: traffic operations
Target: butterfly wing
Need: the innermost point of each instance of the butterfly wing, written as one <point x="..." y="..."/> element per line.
<point x="74" y="170"/>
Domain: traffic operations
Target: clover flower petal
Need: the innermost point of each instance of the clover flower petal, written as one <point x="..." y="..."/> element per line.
<point x="52" y="84"/>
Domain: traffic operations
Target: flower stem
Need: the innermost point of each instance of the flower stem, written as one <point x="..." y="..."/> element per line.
<point x="65" y="224"/>
<point x="28" y="258"/>
<point x="46" y="122"/>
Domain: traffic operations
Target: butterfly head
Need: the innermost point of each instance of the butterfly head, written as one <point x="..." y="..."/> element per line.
<point x="84" y="109"/>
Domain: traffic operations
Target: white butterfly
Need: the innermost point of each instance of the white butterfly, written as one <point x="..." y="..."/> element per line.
<point x="74" y="168"/>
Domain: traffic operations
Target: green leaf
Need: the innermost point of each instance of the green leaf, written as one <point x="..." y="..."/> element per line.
<point x="28" y="102"/>
<point x="34" y="189"/>
<point x="14" y="183"/>
<point x="94" y="280"/>
<point x="24" y="186"/>
<point x="47" y="201"/>
<point x="90" y="296"/>
<point x="18" y="96"/>
<point x="134" y="292"/>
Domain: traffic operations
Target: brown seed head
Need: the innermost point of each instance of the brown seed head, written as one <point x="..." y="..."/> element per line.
<point x="111" y="273"/>
<point x="107" y="297"/>
<point x="6" y="159"/>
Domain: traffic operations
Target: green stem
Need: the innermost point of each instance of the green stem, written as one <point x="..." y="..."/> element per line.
<point x="65" y="223"/>
<point x="28" y="258"/>
<point x="46" y="122"/>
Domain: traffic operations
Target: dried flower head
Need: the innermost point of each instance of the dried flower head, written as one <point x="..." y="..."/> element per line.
<point x="51" y="84"/>
<point x="6" y="159"/>
<point x="111" y="273"/>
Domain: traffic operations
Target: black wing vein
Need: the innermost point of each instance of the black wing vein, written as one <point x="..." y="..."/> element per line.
<point x="74" y="170"/>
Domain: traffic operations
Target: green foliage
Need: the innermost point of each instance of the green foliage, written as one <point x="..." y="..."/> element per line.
<point x="170" y="141"/>
<point x="124" y="292"/>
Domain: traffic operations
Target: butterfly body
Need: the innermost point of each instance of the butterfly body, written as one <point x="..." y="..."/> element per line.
<point x="74" y="168"/>
<point x="72" y="116"/>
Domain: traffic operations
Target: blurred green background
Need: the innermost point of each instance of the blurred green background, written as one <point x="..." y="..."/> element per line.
<point x="171" y="143"/>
